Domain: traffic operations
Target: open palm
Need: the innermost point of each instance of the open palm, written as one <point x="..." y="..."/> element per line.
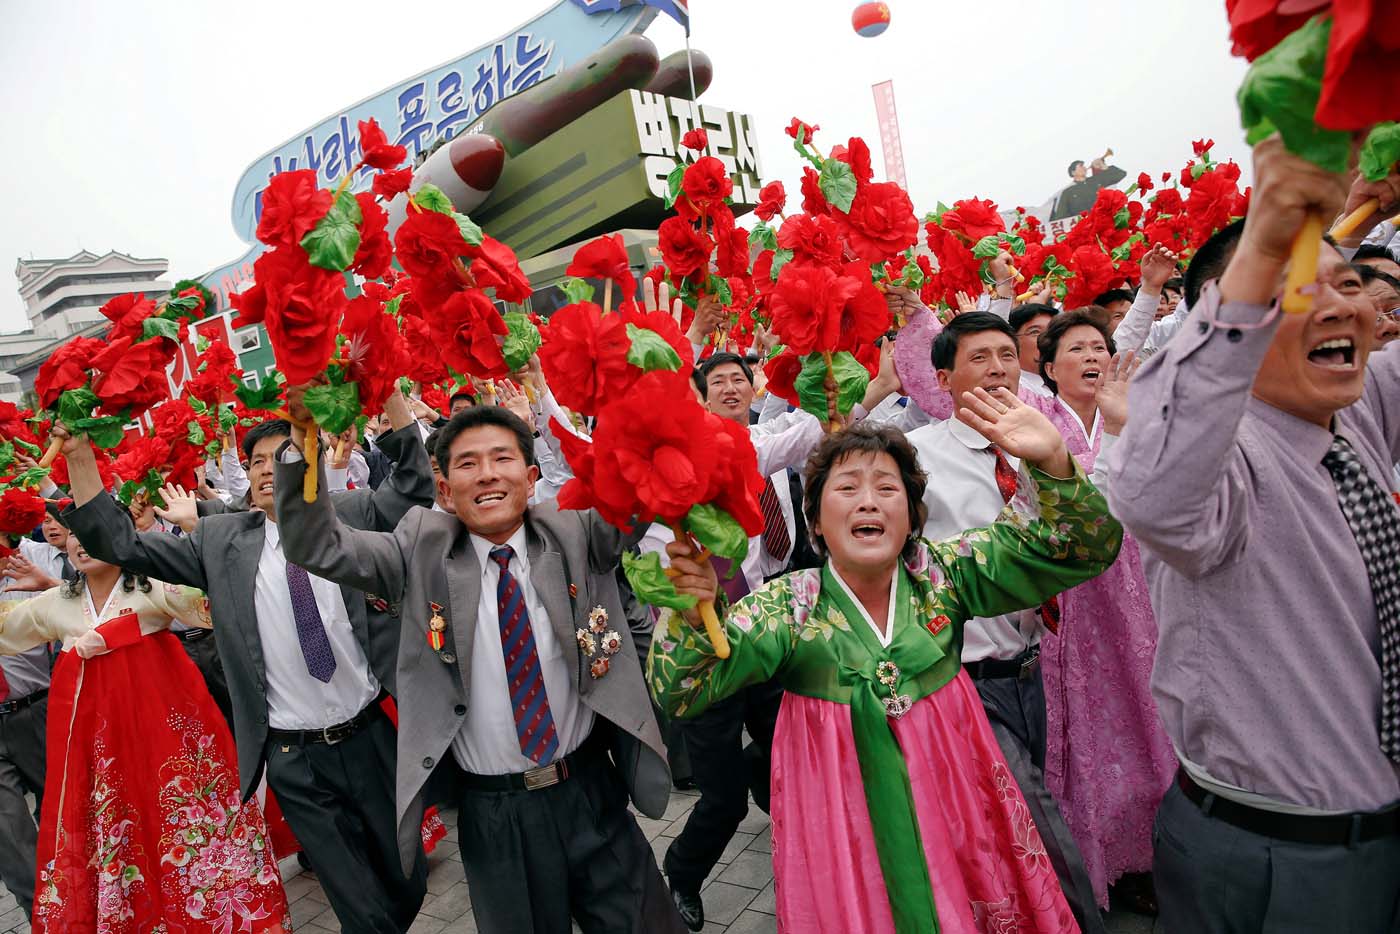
<point x="1011" y="425"/>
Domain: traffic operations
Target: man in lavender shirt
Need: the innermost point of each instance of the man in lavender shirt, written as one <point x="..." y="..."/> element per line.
<point x="1252" y="437"/>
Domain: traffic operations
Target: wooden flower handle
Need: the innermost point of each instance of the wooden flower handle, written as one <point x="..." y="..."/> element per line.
<point x="1302" y="267"/>
<point x="1347" y="225"/>
<point x="50" y="455"/>
<point x="713" y="629"/>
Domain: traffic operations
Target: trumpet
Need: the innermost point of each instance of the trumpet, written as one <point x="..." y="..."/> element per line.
<point x="1107" y="154"/>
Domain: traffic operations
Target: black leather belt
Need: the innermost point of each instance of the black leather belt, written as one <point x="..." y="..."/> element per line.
<point x="1325" y="830"/>
<point x="330" y="735"/>
<point x="545" y="776"/>
<point x="1022" y="666"/>
<point x="28" y="700"/>
<point x="192" y="635"/>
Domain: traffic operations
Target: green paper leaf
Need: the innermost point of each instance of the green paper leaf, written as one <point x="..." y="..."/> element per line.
<point x="1199" y="169"/>
<point x="718" y="531"/>
<point x="471" y="232"/>
<point x="1381" y="151"/>
<point x="1280" y="93"/>
<point x="195" y="435"/>
<point x="837" y="183"/>
<point x="226" y="418"/>
<point x="673" y="184"/>
<point x="649" y="351"/>
<point x="577" y="290"/>
<point x="780" y="259"/>
<point x="650" y="583"/>
<point x="1121" y="219"/>
<point x="405" y="385"/>
<point x="33" y="450"/>
<point x="7" y="455"/>
<point x="335" y="407"/>
<point x="265" y="397"/>
<point x="852" y="379"/>
<point x="155" y="326"/>
<point x="198" y="407"/>
<point x="431" y="198"/>
<point x="391" y="307"/>
<point x="719" y="288"/>
<point x="1016" y="245"/>
<point x="75" y="405"/>
<point x="105" y="431"/>
<point x="522" y="340"/>
<point x="987" y="248"/>
<point x="763" y="236"/>
<point x="30" y="476"/>
<point x="201" y="343"/>
<point x="332" y="243"/>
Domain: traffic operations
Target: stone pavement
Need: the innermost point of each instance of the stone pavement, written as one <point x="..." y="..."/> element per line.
<point x="738" y="897"/>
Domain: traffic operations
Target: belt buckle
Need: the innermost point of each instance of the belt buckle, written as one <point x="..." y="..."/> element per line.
<point x="543" y="777"/>
<point x="333" y="734"/>
<point x="1028" y="666"/>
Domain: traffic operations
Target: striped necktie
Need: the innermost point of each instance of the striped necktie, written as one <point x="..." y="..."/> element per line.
<point x="534" y="724"/>
<point x="776" y="540"/>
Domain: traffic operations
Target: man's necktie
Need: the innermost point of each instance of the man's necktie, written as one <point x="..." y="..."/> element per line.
<point x="1375" y="523"/>
<point x="4" y="687"/>
<point x="311" y="632"/>
<point x="731" y="578"/>
<point x="1006" y="485"/>
<point x="66" y="571"/>
<point x="776" y="540"/>
<point x="534" y="724"/>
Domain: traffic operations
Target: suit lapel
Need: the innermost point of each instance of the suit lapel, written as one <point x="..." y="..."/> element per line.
<point x="463" y="574"/>
<point x="549" y="575"/>
<point x="246" y="552"/>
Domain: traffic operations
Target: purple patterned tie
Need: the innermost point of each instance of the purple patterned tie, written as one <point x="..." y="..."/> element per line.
<point x="311" y="632"/>
<point x="534" y="724"/>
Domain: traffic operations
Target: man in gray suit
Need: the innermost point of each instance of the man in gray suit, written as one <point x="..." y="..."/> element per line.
<point x="518" y="672"/>
<point x="303" y="674"/>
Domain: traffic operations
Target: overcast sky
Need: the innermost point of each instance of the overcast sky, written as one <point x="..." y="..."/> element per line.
<point x="129" y="123"/>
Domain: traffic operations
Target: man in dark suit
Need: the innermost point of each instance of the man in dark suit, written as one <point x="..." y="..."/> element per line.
<point x="304" y="676"/>
<point x="518" y="671"/>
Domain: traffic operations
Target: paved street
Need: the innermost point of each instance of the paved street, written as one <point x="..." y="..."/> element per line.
<point x="738" y="898"/>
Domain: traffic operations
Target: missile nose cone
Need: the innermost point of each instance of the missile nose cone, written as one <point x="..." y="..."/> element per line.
<point x="477" y="159"/>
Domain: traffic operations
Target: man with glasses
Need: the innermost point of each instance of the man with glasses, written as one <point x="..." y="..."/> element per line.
<point x="1029" y="322"/>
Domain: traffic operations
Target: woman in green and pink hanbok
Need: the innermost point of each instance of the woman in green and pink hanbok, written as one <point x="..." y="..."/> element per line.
<point x="893" y="808"/>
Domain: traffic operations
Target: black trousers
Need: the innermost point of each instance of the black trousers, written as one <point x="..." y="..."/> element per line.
<point x="1016" y="710"/>
<point x="199" y="645"/>
<point x="339" y="801"/>
<point x="21" y="770"/>
<point x="724" y="774"/>
<point x="536" y="859"/>
<point x="1215" y="878"/>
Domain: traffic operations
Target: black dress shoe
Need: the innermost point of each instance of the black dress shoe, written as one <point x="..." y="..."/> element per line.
<point x="691" y="908"/>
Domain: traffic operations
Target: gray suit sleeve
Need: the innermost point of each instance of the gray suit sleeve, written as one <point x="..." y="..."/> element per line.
<point x="107" y="534"/>
<point x="211" y="507"/>
<point x="314" y="537"/>
<point x="410" y="481"/>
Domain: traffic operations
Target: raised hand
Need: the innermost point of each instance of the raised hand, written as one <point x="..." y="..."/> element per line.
<point x="1016" y="428"/>
<point x="693" y="576"/>
<point x="513" y="398"/>
<point x="181" y="507"/>
<point x="966" y="303"/>
<point x="1158" y="265"/>
<point x="1112" y="394"/>
<point x="25" y="576"/>
<point x="902" y="302"/>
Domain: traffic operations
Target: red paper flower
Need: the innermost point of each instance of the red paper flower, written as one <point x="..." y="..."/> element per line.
<point x="375" y="253"/>
<point x="291" y="206"/>
<point x="706" y="184"/>
<point x="388" y="184"/>
<point x="138" y="456"/>
<point x="732" y="247"/>
<point x="66" y="368"/>
<point x="375" y="353"/>
<point x="20" y="511"/>
<point x="696" y="139"/>
<point x="974" y="218"/>
<point x="958" y="269"/>
<point x="605" y="258"/>
<point x="771" y="200"/>
<point x="375" y="146"/>
<point x="815" y="238"/>
<point x="132" y="376"/>
<point x="127" y="313"/>
<point x="1093" y="275"/>
<point x="810" y="129"/>
<point x="1202" y="146"/>
<point x="857" y="155"/>
<point x="813" y="201"/>
<point x="465" y="330"/>
<point x="495" y="267"/>
<point x="881" y="222"/>
<point x="300" y="305"/>
<point x="424" y="358"/>
<point x="215" y="383"/>
<point x="1144" y="182"/>
<point x="683" y="248"/>
<point x="814" y="309"/>
<point x="427" y="242"/>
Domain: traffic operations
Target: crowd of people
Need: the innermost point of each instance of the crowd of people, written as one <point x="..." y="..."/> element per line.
<point x="1105" y="602"/>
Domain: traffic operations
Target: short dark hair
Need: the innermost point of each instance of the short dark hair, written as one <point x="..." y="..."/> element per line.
<point x="462" y="394"/>
<point x="430" y="443"/>
<point x="478" y="416"/>
<point x="1024" y="314"/>
<point x="1211" y="259"/>
<point x="945" y="345"/>
<point x="267" y="428"/>
<point x="864" y="438"/>
<point x="703" y="369"/>
<point x="1114" y="295"/>
<point x="1074" y="165"/>
<point x="1371" y="274"/>
<point x="1049" y="342"/>
<point x="1374" y="251"/>
<point x="1174" y="284"/>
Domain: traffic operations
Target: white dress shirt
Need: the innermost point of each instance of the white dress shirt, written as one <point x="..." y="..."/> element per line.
<point x="488" y="743"/>
<point x="962" y="494"/>
<point x="296" y="700"/>
<point x="1034" y="382"/>
<point x="44" y="556"/>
